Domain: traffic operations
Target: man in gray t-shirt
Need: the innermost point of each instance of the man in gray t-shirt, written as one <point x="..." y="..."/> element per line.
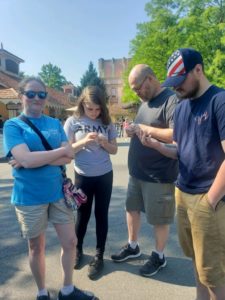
<point x="152" y="175"/>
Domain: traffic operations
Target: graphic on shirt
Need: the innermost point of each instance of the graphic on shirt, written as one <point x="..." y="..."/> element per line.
<point x="91" y="128"/>
<point x="203" y="117"/>
<point x="92" y="160"/>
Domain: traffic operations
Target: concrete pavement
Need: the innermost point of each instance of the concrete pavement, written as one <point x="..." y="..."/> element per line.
<point x="119" y="280"/>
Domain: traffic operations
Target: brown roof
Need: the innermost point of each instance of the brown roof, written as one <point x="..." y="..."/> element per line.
<point x="8" y="94"/>
<point x="54" y="96"/>
<point x="58" y="97"/>
<point x="8" y="81"/>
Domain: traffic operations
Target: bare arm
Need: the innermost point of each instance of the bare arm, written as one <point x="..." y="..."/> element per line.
<point x="79" y="145"/>
<point x="169" y="150"/>
<point x="162" y="134"/>
<point x="28" y="159"/>
<point x="58" y="162"/>
<point x="62" y="160"/>
<point x="109" y="146"/>
<point x="217" y="190"/>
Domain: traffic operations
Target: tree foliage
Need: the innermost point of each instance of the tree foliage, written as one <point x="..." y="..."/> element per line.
<point x="52" y="77"/>
<point x="173" y="24"/>
<point x="91" y="77"/>
<point x="22" y="75"/>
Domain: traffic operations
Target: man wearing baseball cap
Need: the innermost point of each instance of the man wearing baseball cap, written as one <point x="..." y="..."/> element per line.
<point x="180" y="63"/>
<point x="199" y="145"/>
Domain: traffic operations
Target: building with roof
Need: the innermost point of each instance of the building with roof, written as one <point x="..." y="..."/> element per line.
<point x="111" y="72"/>
<point x="10" y="104"/>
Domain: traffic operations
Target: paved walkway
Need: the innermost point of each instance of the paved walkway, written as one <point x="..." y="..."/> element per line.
<point x="118" y="281"/>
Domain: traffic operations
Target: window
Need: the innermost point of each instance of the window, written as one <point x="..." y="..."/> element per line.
<point x="113" y="92"/>
<point x="11" y="66"/>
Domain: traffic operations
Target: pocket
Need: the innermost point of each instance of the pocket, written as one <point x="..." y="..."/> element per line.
<point x="204" y="201"/>
<point x="203" y="214"/>
<point x="166" y="205"/>
<point x="219" y="205"/>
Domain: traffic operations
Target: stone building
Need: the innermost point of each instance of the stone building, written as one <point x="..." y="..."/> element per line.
<point x="10" y="104"/>
<point x="111" y="72"/>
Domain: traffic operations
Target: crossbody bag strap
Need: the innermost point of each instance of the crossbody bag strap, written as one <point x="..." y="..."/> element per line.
<point x="43" y="139"/>
<point x="35" y="129"/>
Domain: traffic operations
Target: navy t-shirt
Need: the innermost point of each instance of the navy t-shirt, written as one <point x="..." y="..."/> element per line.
<point x="199" y="128"/>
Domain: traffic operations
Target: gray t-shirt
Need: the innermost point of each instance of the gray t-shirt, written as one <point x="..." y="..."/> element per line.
<point x="145" y="163"/>
<point x="92" y="160"/>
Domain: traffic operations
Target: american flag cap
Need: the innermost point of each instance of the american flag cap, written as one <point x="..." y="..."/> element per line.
<point x="179" y="64"/>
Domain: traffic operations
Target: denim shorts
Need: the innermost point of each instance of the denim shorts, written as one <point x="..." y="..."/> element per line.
<point x="155" y="199"/>
<point x="201" y="231"/>
<point x="33" y="219"/>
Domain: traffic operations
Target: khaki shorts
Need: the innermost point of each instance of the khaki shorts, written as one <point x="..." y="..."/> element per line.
<point x="155" y="199"/>
<point x="33" y="219"/>
<point x="201" y="231"/>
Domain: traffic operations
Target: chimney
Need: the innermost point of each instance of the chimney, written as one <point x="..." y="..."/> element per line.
<point x="69" y="89"/>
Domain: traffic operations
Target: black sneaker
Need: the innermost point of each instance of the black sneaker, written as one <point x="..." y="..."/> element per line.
<point x="125" y="253"/>
<point x="77" y="295"/>
<point x="43" y="297"/>
<point x="153" y="265"/>
<point x="95" y="267"/>
<point x="78" y="259"/>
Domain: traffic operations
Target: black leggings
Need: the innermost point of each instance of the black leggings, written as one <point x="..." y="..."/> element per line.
<point x="100" y="188"/>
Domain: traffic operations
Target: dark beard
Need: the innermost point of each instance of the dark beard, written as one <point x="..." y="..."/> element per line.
<point x="191" y="94"/>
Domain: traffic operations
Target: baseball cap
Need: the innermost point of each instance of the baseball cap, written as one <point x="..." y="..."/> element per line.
<point x="180" y="63"/>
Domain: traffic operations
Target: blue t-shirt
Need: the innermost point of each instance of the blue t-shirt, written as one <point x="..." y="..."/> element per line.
<point x="199" y="128"/>
<point x="37" y="185"/>
<point x="93" y="160"/>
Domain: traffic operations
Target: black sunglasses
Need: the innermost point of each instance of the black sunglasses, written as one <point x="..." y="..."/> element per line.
<point x="32" y="94"/>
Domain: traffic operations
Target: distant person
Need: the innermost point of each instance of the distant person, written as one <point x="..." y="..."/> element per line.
<point x="37" y="191"/>
<point x="121" y="127"/>
<point x="1" y="122"/>
<point x="152" y="176"/>
<point x="126" y="124"/>
<point x="199" y="146"/>
<point x="93" y="138"/>
<point x="117" y="125"/>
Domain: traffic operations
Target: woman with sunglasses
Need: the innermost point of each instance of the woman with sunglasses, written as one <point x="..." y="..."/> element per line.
<point x="37" y="192"/>
<point x="93" y="138"/>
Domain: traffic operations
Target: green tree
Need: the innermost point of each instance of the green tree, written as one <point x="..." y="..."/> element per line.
<point x="176" y="24"/>
<point x="22" y="74"/>
<point x="91" y="77"/>
<point x="52" y="77"/>
<point x="152" y="43"/>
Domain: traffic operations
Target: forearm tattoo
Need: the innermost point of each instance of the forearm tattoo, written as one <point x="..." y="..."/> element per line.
<point x="171" y="146"/>
<point x="172" y="149"/>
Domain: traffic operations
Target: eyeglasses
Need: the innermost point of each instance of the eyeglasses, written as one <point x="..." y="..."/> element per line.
<point x="32" y="94"/>
<point x="137" y="89"/>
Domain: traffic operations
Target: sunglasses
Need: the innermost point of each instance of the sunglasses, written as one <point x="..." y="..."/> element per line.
<point x="32" y="94"/>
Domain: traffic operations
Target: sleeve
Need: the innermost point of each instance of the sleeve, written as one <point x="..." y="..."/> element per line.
<point x="112" y="132"/>
<point x="12" y="136"/>
<point x="62" y="133"/>
<point x="175" y="118"/>
<point x="68" y="128"/>
<point x="219" y="110"/>
<point x="170" y="108"/>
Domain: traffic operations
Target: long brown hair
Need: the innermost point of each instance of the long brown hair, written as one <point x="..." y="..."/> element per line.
<point x="95" y="95"/>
